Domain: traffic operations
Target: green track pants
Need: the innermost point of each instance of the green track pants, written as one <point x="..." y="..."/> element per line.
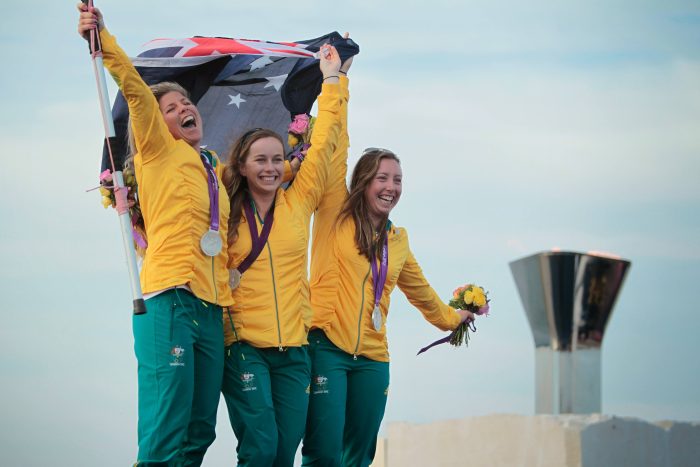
<point x="346" y="407"/>
<point x="267" y="395"/>
<point x="179" y="348"/>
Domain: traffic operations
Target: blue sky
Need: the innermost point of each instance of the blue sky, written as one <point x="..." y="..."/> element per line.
<point x="521" y="127"/>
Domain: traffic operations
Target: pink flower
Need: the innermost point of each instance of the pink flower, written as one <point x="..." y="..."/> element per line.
<point x="106" y="176"/>
<point x="299" y="124"/>
<point x="483" y="311"/>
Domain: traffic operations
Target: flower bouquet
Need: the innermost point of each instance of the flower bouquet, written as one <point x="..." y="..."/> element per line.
<point x="109" y="199"/>
<point x="299" y="135"/>
<point x="472" y="298"/>
<point x="468" y="297"/>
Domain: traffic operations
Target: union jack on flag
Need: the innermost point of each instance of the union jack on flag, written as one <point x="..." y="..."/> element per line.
<point x="237" y="84"/>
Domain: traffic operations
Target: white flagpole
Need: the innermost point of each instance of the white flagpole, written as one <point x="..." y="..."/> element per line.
<point x="120" y="189"/>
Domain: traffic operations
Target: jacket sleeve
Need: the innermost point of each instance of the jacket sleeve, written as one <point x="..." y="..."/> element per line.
<point x="288" y="174"/>
<point x="310" y="182"/>
<point x="323" y="264"/>
<point x="336" y="189"/>
<point x="151" y="134"/>
<point x="414" y="285"/>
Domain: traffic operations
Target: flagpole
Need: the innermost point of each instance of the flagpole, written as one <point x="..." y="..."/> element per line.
<point x="120" y="189"/>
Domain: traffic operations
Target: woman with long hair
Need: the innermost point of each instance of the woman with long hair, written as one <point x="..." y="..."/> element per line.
<point x="358" y="256"/>
<point x="179" y="341"/>
<point x="267" y="371"/>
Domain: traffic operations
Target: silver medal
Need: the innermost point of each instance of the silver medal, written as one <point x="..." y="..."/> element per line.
<point x="211" y="243"/>
<point x="377" y="318"/>
<point x="234" y="278"/>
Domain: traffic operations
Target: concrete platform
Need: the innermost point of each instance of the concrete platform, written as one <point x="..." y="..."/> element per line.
<point x="541" y="441"/>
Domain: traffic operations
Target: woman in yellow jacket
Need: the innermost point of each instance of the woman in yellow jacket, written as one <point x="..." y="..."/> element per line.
<point x="179" y="341"/>
<point x="357" y="258"/>
<point x="267" y="372"/>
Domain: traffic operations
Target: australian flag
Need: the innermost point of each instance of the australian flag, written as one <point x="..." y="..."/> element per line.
<point x="237" y="84"/>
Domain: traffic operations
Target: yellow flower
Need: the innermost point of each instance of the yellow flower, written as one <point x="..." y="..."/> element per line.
<point x="106" y="202"/>
<point x="477" y="296"/>
<point x="469" y="296"/>
<point x="292" y="140"/>
<point x="104" y="191"/>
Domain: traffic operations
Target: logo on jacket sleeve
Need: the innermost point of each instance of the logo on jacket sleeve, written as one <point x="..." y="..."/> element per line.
<point x="177" y="353"/>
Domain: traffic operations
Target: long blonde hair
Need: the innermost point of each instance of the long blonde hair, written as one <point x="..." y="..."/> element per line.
<point x="355" y="206"/>
<point x="235" y="183"/>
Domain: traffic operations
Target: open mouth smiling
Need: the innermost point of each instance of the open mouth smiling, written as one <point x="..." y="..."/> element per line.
<point x="188" y="122"/>
<point x="386" y="199"/>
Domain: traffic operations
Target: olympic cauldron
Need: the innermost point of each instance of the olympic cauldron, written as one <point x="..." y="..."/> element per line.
<point x="568" y="298"/>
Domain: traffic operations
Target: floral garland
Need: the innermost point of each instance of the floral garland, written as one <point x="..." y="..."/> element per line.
<point x="109" y="200"/>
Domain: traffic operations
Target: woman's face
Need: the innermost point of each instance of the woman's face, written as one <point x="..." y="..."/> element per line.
<point x="182" y="118"/>
<point x="384" y="191"/>
<point x="264" y="166"/>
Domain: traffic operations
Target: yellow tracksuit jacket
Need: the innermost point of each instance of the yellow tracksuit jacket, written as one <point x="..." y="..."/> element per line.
<point x="173" y="194"/>
<point x="342" y="294"/>
<point x="272" y="300"/>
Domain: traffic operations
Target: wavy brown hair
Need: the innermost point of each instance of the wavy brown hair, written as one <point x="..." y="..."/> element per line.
<point x="236" y="184"/>
<point x="355" y="205"/>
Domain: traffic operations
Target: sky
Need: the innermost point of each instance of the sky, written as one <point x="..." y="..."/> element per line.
<point x="521" y="127"/>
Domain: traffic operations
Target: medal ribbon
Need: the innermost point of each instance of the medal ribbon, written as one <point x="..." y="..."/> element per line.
<point x="258" y="241"/>
<point x="213" y="185"/>
<point x="444" y="340"/>
<point x="379" y="277"/>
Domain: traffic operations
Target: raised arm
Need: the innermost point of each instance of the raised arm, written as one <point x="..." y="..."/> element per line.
<point x="326" y="215"/>
<point x="336" y="189"/>
<point x="150" y="131"/>
<point x="310" y="182"/>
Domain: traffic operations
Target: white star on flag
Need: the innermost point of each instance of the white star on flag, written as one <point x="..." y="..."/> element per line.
<point x="237" y="99"/>
<point x="260" y="63"/>
<point x="276" y="81"/>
